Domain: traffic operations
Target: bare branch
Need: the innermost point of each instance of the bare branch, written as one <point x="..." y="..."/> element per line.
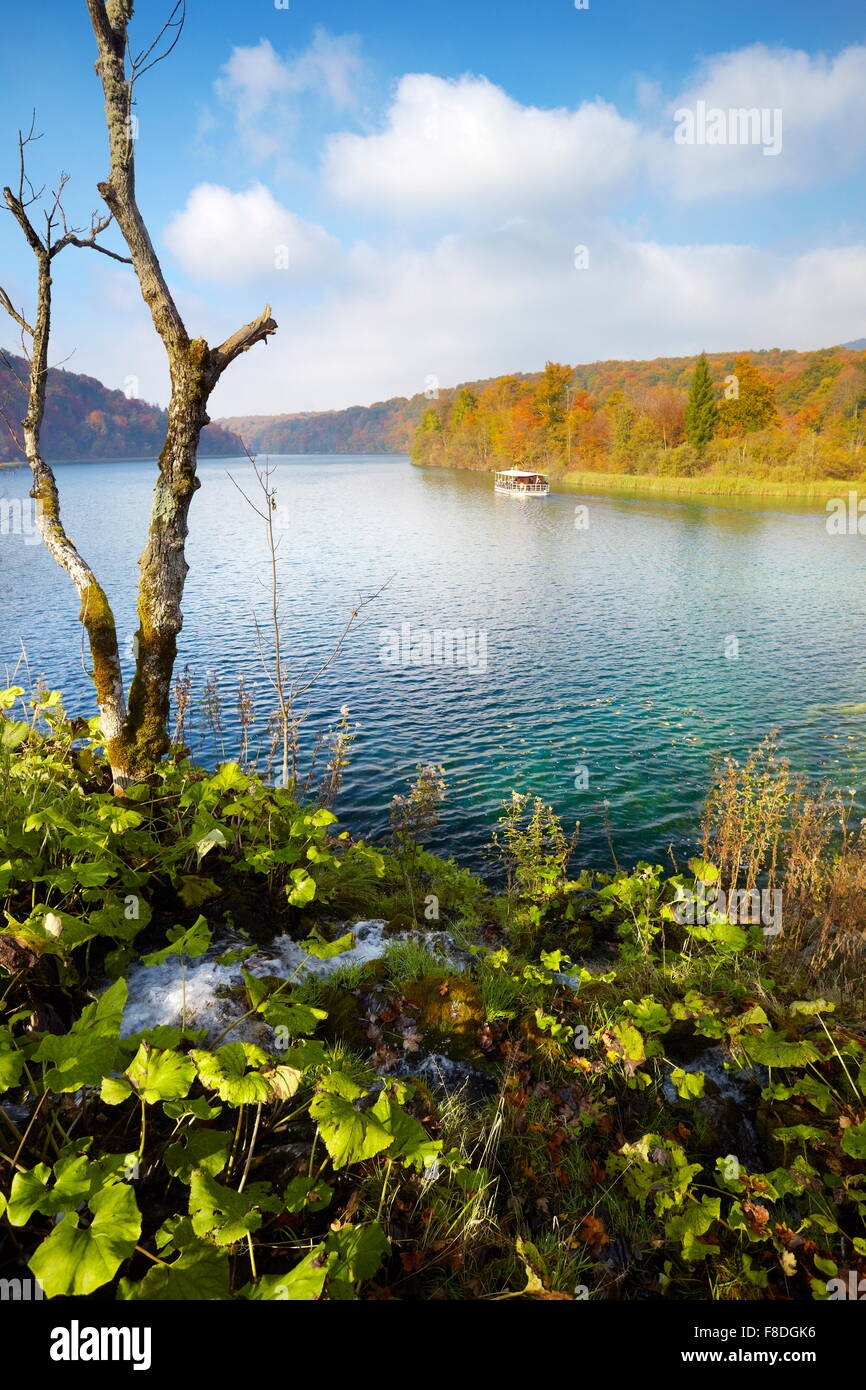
<point x="7" y="304"/>
<point x="88" y="244"/>
<point x="171" y="23"/>
<point x="257" y="331"/>
<point x="15" y="439"/>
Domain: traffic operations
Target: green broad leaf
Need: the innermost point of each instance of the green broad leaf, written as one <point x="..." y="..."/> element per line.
<point x="28" y="1194"/>
<point x="696" y="1249"/>
<point x="224" y="1215"/>
<point x="199" y="1274"/>
<point x="800" y="1134"/>
<point x="759" y="1277"/>
<point x="411" y="1143"/>
<point x="322" y="817"/>
<point x="649" y="1015"/>
<point x="854" y="1140"/>
<point x="10" y="695"/>
<point x="302" y="890"/>
<point x="174" y="1235"/>
<point x="303" y="1284"/>
<point x="770" y="1049"/>
<point x="205" y="1149"/>
<point x="356" y="1254"/>
<point x="13" y="732"/>
<point x="115" y="1090"/>
<point x="284" y="1080"/>
<point x="75" y="1260"/>
<point x="158" y="1075"/>
<point x="84" y="875"/>
<point x="75" y="1178"/>
<point x="11" y="1061"/>
<point x="703" y="872"/>
<point x="91" y="1049"/>
<point x="307" y="1194"/>
<point x="349" y="1135"/>
<point x="120" y="821"/>
<point x="225" y="1071"/>
<point x="214" y="839"/>
<point x="316" y="945"/>
<point x="629" y="1043"/>
<point x="555" y="960"/>
<point x="193" y="942"/>
<point x="295" y="1018"/>
<point x="229" y="778"/>
<point x="751" y="1016"/>
<point x="818" y="1093"/>
<point x="812" y="1006"/>
<point x="237" y="955"/>
<point x="194" y="891"/>
<point x="723" y="933"/>
<point x="197" y="1109"/>
<point x="689" y="1084"/>
<point x="696" y="1218"/>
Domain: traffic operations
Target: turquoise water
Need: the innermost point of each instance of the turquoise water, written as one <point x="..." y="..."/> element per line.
<point x="601" y="649"/>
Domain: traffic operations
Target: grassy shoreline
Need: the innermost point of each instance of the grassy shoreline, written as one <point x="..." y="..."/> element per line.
<point x="704" y="486"/>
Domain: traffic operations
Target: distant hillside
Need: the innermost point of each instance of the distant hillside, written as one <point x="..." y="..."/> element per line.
<point x="387" y="427"/>
<point x="384" y="428"/>
<point x="85" y="420"/>
<point x="782" y="416"/>
<point x="798" y="378"/>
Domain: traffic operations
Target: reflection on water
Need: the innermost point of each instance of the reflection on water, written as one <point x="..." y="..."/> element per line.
<point x="637" y="649"/>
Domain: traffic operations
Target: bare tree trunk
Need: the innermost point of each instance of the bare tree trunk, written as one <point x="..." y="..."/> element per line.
<point x="195" y="370"/>
<point x="136" y="734"/>
<point x="96" y="615"/>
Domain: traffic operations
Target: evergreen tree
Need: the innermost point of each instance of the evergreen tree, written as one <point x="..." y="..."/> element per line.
<point x="701" y="410"/>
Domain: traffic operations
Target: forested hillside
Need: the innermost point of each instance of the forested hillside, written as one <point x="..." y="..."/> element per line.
<point x="798" y="412"/>
<point x="782" y="414"/>
<point x="86" y="420"/>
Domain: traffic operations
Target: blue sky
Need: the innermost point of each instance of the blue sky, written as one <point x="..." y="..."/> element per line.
<point x="407" y="186"/>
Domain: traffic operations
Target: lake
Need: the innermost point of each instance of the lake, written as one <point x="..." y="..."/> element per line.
<point x="599" y="658"/>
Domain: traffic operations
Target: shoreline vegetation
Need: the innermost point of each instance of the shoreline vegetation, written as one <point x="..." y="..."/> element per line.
<point x="274" y="1062"/>
<point x="776" y="425"/>
<point x="704" y="486"/>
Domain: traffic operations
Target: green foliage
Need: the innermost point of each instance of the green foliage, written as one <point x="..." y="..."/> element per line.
<point x="701" y="411"/>
<point x="172" y="1166"/>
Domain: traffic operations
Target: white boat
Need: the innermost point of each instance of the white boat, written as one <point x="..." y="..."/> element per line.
<point x="517" y="482"/>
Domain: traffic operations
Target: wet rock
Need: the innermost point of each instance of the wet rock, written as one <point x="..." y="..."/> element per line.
<point x="728" y="1107"/>
<point x="445" y="1076"/>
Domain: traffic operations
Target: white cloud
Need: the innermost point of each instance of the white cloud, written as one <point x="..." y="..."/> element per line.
<point x="465" y="147"/>
<point x="482" y="201"/>
<point x="823" y="122"/>
<point x="262" y="88"/>
<point x="248" y="237"/>
<point x="482" y="305"/>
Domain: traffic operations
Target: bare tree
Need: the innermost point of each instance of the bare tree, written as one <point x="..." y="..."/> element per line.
<point x="136" y="731"/>
<point x="96" y="615"/>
